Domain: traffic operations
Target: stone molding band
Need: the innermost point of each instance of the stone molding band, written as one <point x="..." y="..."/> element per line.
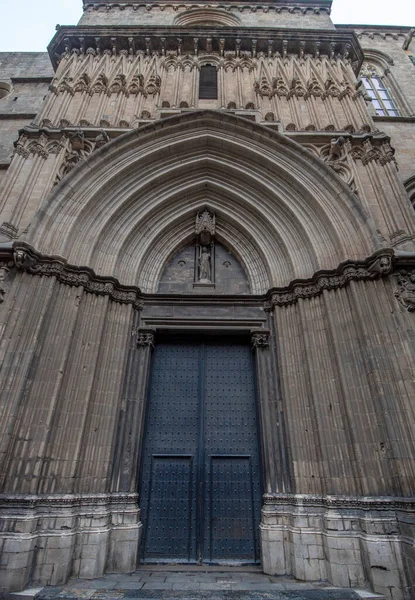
<point x="35" y="263"/>
<point x="33" y="500"/>
<point x="360" y="502"/>
<point x="190" y="40"/>
<point x="380" y="264"/>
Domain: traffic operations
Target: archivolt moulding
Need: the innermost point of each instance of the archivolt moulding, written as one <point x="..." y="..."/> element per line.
<point x="124" y="210"/>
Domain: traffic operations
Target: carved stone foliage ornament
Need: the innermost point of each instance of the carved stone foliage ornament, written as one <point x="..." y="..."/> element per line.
<point x="373" y="267"/>
<point x="405" y="292"/>
<point x="260" y="339"/>
<point x="28" y="259"/>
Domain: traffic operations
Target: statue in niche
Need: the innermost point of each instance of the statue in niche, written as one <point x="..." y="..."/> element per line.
<point x="205" y="248"/>
<point x="204" y="266"/>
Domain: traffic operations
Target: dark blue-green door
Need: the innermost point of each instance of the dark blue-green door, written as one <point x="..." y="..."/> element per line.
<point x="200" y="491"/>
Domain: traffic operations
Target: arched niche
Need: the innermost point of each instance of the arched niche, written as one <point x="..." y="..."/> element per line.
<point x="179" y="275"/>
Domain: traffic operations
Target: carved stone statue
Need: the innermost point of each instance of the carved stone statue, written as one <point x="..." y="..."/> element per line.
<point x="204" y="266"/>
<point x="406" y="290"/>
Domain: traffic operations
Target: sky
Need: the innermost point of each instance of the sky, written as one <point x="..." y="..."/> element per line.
<point x="29" y="25"/>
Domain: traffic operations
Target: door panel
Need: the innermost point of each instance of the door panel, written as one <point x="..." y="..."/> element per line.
<point x="171" y="429"/>
<point x="231" y="523"/>
<point x="200" y="489"/>
<point x="170" y="508"/>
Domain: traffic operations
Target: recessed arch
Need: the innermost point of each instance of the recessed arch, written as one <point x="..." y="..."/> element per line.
<point x="212" y="17"/>
<point x="283" y="212"/>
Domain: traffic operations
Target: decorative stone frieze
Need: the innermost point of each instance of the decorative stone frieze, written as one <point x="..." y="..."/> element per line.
<point x="151" y="41"/>
<point x="378" y="265"/>
<point x="30" y="501"/>
<point x="332" y="501"/>
<point x="28" y="259"/>
<point x="300" y="8"/>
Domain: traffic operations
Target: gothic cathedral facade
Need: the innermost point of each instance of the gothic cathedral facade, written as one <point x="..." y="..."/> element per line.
<point x="207" y="245"/>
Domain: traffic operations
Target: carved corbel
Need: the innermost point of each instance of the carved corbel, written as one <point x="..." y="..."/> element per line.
<point x="22" y="259"/>
<point x="381" y="266"/>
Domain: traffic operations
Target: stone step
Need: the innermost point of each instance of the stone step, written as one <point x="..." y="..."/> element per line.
<point x="193" y="586"/>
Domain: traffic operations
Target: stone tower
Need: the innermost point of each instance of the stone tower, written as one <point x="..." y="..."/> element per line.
<point x="208" y="297"/>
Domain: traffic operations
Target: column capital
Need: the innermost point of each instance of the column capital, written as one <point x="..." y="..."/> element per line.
<point x="260" y="338"/>
<point x="145" y="337"/>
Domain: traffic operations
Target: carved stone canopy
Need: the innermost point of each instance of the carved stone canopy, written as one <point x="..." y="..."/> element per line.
<point x="205" y="226"/>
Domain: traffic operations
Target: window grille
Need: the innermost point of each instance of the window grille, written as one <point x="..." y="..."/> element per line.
<point x="381" y="99"/>
<point x="208" y="83"/>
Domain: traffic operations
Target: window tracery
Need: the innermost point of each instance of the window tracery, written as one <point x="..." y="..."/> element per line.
<point x="378" y="93"/>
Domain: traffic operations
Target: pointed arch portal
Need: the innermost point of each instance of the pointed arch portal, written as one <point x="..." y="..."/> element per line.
<point x="282" y="212"/>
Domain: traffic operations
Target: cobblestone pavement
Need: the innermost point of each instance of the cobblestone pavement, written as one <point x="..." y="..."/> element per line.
<point x="198" y="585"/>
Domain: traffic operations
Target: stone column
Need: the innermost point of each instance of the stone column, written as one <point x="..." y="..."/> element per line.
<point x="124" y="545"/>
<point x="130" y="430"/>
<point x="275" y="469"/>
<point x="273" y="448"/>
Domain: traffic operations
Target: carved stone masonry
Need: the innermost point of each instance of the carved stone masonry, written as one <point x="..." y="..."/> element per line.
<point x="378" y="265"/>
<point x="27" y="258"/>
<point x="205" y="221"/>
<point x="146" y="337"/>
<point x="5" y="267"/>
<point x="260" y="339"/>
<point x="205" y="231"/>
<point x="406" y="289"/>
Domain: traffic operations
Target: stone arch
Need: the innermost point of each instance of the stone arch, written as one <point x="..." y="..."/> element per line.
<point x="5" y="88"/>
<point x="212" y="17"/>
<point x="283" y="211"/>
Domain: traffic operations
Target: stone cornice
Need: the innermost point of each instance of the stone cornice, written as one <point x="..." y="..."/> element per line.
<point x="28" y="259"/>
<point x="377" y="265"/>
<point x="380" y="264"/>
<point x="187" y="40"/>
<point x="354" y="502"/>
<point x="278" y="4"/>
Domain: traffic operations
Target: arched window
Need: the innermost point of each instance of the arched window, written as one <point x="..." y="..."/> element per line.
<point x="380" y="96"/>
<point x="378" y="79"/>
<point x="208" y="83"/>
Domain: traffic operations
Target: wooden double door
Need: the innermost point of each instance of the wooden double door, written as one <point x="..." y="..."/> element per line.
<point x="200" y="490"/>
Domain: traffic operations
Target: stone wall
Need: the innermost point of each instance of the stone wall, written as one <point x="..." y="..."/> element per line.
<point x="102" y="192"/>
<point x="166" y="13"/>
<point x="24" y="82"/>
